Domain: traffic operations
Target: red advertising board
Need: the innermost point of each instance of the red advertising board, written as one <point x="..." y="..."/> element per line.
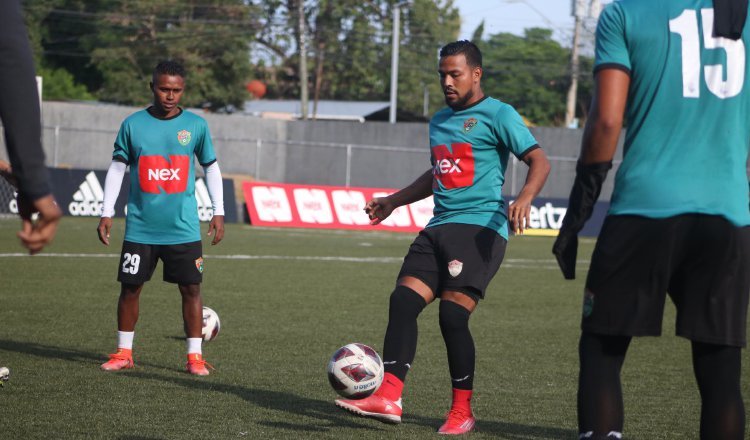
<point x="329" y="207"/>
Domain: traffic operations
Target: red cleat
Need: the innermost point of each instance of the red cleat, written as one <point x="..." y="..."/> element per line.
<point x="374" y="406"/>
<point x="457" y="422"/>
<point x="122" y="360"/>
<point x="197" y="366"/>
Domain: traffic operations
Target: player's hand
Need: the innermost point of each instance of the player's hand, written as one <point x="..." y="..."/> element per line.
<point x="378" y="209"/>
<point x="216" y="225"/>
<point x="519" y="215"/>
<point x="7" y="173"/>
<point x="35" y="234"/>
<point x="105" y="225"/>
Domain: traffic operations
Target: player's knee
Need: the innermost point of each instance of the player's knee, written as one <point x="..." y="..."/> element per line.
<point x="405" y="302"/>
<point x="453" y="316"/>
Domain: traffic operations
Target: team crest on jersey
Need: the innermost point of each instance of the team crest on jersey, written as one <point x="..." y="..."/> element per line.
<point x="184" y="137"/>
<point x="199" y="264"/>
<point x="455" y="267"/>
<point x="469" y="124"/>
<point x="588" y="303"/>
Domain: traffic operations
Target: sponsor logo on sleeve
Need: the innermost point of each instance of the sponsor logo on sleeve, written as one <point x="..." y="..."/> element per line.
<point x="158" y="175"/>
<point x="453" y="168"/>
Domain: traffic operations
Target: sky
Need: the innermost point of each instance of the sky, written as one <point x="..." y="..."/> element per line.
<point x="516" y="15"/>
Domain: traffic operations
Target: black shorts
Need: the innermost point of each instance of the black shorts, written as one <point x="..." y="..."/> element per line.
<point x="702" y="261"/>
<point x="455" y="256"/>
<point x="183" y="263"/>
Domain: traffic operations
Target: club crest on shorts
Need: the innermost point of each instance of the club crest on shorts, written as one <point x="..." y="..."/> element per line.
<point x="588" y="303"/>
<point x="199" y="264"/>
<point x="455" y="267"/>
<point x="183" y="136"/>
<point x="469" y="124"/>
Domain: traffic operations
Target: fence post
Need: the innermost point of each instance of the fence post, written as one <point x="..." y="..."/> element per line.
<point x="348" y="164"/>
<point x="258" y="146"/>
<point x="55" y="146"/>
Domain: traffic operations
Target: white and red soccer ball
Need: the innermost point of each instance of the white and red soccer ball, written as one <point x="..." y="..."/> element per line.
<point x="211" y="324"/>
<point x="355" y="371"/>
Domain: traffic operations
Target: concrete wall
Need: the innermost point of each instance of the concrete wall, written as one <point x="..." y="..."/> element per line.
<point x="373" y="154"/>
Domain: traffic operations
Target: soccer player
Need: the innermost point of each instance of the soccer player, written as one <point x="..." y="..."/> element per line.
<point x="676" y="71"/>
<point x="158" y="144"/>
<point x="19" y="112"/>
<point x="457" y="254"/>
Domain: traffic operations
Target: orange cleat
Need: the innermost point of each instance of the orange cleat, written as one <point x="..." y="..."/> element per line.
<point x="457" y="422"/>
<point x="122" y="360"/>
<point x="197" y="366"/>
<point x="374" y="406"/>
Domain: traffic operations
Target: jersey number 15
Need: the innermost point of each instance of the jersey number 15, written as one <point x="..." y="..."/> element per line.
<point x="686" y="26"/>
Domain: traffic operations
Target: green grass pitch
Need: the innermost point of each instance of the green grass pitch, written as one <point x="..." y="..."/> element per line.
<point x="287" y="299"/>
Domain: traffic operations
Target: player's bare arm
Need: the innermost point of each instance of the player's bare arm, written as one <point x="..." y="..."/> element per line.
<point x="105" y="225"/>
<point x="605" y="120"/>
<point x="519" y="212"/>
<point x="378" y="209"/>
<point x="216" y="227"/>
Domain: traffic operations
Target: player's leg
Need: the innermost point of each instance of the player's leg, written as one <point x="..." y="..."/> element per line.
<point x="183" y="265"/>
<point x="717" y="371"/>
<point x="137" y="263"/>
<point x="600" y="407"/>
<point x="624" y="297"/>
<point x="466" y="271"/>
<point x="411" y="295"/>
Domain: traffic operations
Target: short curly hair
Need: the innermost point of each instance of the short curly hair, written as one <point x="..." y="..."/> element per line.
<point x="467" y="48"/>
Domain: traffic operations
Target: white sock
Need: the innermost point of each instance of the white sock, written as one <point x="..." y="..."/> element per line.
<point x="194" y="345"/>
<point x="125" y="340"/>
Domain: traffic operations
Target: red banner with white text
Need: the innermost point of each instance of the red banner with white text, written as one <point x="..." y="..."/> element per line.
<point x="329" y="207"/>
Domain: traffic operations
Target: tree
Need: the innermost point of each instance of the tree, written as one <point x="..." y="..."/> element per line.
<point x="532" y="74"/>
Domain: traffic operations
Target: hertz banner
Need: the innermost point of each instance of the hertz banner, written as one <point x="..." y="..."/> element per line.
<point x="80" y="193"/>
<point x="333" y="207"/>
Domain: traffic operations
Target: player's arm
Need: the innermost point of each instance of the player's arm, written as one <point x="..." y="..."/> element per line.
<point x="519" y="212"/>
<point x="112" y="184"/>
<point x="216" y="192"/>
<point x="597" y="150"/>
<point x="379" y="208"/>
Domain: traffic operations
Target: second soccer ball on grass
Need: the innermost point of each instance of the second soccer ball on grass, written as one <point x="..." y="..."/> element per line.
<point x="211" y="324"/>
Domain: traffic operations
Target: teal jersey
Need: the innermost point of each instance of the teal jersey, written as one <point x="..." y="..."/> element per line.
<point x="161" y="207"/>
<point x="688" y="112"/>
<point x="469" y="155"/>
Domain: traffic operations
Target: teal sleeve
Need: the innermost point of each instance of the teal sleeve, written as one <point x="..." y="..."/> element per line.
<point x="122" y="144"/>
<point x="512" y="131"/>
<point x="204" y="147"/>
<point x="611" y="47"/>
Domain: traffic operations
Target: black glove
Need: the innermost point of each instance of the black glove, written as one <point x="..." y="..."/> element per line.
<point x="583" y="197"/>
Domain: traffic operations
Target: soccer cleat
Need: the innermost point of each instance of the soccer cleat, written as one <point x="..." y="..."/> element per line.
<point x="122" y="360"/>
<point x="197" y="365"/>
<point x="457" y="422"/>
<point x="374" y="406"/>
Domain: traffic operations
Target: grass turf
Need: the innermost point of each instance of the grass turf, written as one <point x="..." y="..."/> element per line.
<point x="287" y="300"/>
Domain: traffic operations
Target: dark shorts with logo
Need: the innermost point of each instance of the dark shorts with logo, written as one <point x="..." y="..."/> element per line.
<point x="183" y="263"/>
<point x="455" y="256"/>
<point x="701" y="261"/>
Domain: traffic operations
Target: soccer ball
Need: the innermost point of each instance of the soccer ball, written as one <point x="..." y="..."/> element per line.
<point x="355" y="371"/>
<point x="211" y="324"/>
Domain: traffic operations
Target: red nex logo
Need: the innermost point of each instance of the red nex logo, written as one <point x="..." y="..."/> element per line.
<point x="453" y="169"/>
<point x="157" y="174"/>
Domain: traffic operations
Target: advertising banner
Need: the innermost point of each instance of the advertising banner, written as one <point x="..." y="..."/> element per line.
<point x="334" y="207"/>
<point x="80" y="193"/>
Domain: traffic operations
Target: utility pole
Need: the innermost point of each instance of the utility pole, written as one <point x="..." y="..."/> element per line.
<point x="302" y="59"/>
<point x="570" y="109"/>
<point x="394" y="60"/>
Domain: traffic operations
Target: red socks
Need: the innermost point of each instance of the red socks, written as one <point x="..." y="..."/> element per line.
<point x="391" y="388"/>
<point x="462" y="400"/>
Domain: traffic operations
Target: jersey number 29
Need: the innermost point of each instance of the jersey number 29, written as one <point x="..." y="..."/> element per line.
<point x="130" y="263"/>
<point x="686" y="26"/>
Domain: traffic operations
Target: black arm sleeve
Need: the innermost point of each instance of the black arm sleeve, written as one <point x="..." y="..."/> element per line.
<point x="19" y="104"/>
<point x="729" y="18"/>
